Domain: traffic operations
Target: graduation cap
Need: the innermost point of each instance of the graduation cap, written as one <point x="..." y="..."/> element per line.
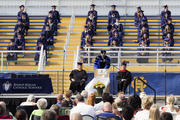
<point x="165" y="6"/>
<point x="79" y="63"/>
<point x="124" y="63"/>
<point x="92" y="5"/>
<point x="113" y="6"/>
<point x="21" y="6"/>
<point x="103" y="52"/>
<point x="53" y="6"/>
<point x="139" y="8"/>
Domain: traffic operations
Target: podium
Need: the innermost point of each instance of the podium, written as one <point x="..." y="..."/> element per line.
<point x="101" y="75"/>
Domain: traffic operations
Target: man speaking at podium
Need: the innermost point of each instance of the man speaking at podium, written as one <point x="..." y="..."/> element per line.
<point x="102" y="61"/>
<point x="124" y="78"/>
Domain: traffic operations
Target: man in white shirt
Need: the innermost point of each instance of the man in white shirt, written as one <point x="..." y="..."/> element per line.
<point x="82" y="108"/>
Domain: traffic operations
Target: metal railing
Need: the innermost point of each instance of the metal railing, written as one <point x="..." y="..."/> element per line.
<point x="42" y="57"/>
<point x="156" y="56"/>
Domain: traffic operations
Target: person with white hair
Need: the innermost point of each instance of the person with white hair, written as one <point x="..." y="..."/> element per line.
<point x="84" y="93"/>
<point x="30" y="101"/>
<point x="36" y="114"/>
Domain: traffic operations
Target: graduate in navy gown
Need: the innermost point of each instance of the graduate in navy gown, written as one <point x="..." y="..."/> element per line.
<point x="171" y="25"/>
<point x="12" y="56"/>
<point x="170" y="39"/>
<point x="50" y="16"/>
<point x="22" y="11"/>
<point x="143" y="44"/>
<point x="48" y="35"/>
<point x="166" y="31"/>
<point x="20" y="42"/>
<point x="145" y="38"/>
<point x="164" y="21"/>
<point x="55" y="14"/>
<point x="38" y="48"/>
<point x="113" y="11"/>
<point x="91" y="28"/>
<point x="92" y="10"/>
<point x="19" y="25"/>
<point x="165" y="11"/>
<point x="85" y="32"/>
<point x="25" y="22"/>
<point x="52" y="26"/>
<point x="102" y="61"/>
<point x="42" y="39"/>
<point x="137" y="16"/>
<point x="92" y="18"/>
<point x="141" y="32"/>
<point x="119" y="28"/>
<point x="117" y="39"/>
<point x="167" y="54"/>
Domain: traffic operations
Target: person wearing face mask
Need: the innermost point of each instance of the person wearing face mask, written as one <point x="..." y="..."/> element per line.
<point x="102" y="61"/>
<point x="143" y="45"/>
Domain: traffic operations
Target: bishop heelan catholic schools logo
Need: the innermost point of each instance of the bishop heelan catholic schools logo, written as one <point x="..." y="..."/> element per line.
<point x="7" y="86"/>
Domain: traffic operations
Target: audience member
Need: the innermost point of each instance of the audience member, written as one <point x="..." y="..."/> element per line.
<point x="21" y="115"/>
<point x="107" y="112"/>
<point x="166" y="116"/>
<point x="82" y="108"/>
<point x="135" y="102"/>
<point x="68" y="95"/>
<point x="154" y="113"/>
<point x="91" y="99"/>
<point x="146" y="105"/>
<point x="106" y="97"/>
<point x="31" y="100"/>
<point x="59" y="99"/>
<point x="36" y="114"/>
<point x="84" y="93"/>
<point x="127" y="113"/>
<point x="76" y="116"/>
<point x="49" y="115"/>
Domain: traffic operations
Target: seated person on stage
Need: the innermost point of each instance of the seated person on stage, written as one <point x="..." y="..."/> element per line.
<point x="143" y="24"/>
<point x="48" y="35"/>
<point x="165" y="11"/>
<point x="92" y="10"/>
<point x="167" y="54"/>
<point x="137" y="17"/>
<point x="170" y="39"/>
<point x="25" y="22"/>
<point x="20" y="42"/>
<point x="87" y="42"/>
<point x="102" y="61"/>
<point x="141" y="17"/>
<point x="85" y="33"/>
<point x="124" y="78"/>
<point x="78" y="78"/>
<point x="119" y="27"/>
<point x="143" y="44"/>
<point x="12" y="56"/>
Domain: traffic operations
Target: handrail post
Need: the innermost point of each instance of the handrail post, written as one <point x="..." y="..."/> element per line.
<point x="2" y="61"/>
<point x="40" y="59"/>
